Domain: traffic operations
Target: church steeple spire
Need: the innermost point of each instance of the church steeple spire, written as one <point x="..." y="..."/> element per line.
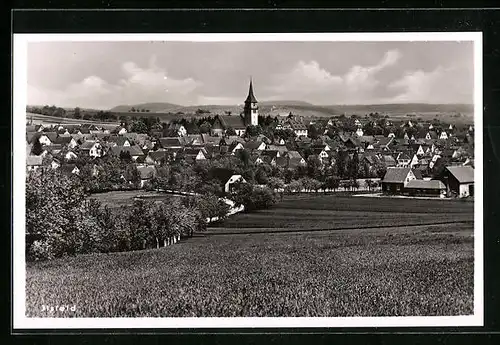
<point x="250" y="98"/>
<point x="251" y="110"/>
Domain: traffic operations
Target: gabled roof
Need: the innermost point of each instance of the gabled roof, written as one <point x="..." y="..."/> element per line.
<point x="396" y="175"/>
<point x="193" y="151"/>
<point x="133" y="150"/>
<point x="464" y="174"/>
<point x="157" y="156"/>
<point x="34" y="160"/>
<point x="294" y="154"/>
<point x="62" y="140"/>
<point x="252" y="145"/>
<point x="233" y="121"/>
<point x="118" y="139"/>
<point x="53" y="147"/>
<point x="388" y="160"/>
<point x="281" y="148"/>
<point x="31" y="137"/>
<point x="172" y="142"/>
<point x="87" y="145"/>
<point x="294" y="162"/>
<point x="281" y="161"/>
<point x="51" y="135"/>
<point x="422" y="184"/>
<point x="418" y="174"/>
<point x="234" y="144"/>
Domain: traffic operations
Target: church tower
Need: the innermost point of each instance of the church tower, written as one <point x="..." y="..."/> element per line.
<point x="251" y="110"/>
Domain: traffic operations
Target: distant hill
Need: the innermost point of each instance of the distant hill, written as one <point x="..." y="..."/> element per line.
<point x="161" y="107"/>
<point x="167" y="111"/>
<point x="403" y="108"/>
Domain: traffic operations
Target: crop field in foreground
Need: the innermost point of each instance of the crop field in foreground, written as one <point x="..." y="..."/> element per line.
<point x="422" y="270"/>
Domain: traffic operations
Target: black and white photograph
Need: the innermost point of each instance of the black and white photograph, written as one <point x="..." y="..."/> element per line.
<point x="248" y="180"/>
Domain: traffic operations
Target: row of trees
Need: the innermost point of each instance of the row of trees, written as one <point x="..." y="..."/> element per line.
<point x="62" y="220"/>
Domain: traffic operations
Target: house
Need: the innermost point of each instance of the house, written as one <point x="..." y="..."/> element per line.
<point x="226" y="177"/>
<point x="195" y="154"/>
<point x="359" y="132"/>
<point x="443" y="135"/>
<point x="255" y="145"/>
<point x="94" y="148"/>
<point x="33" y="162"/>
<point x="232" y="180"/>
<point x="120" y="130"/>
<point x="173" y="142"/>
<point x="425" y="188"/>
<point x="119" y="141"/>
<point x="55" y="163"/>
<point x="298" y="127"/>
<point x="388" y="160"/>
<point x="234" y="147"/>
<point x="157" y="157"/>
<point x="223" y="123"/>
<point x="62" y="140"/>
<point x="31" y="137"/>
<point x="69" y="169"/>
<point x="146" y="174"/>
<point x="178" y="128"/>
<point x="403" y="160"/>
<point x="396" y="179"/>
<point x="73" y="143"/>
<point x="134" y="151"/>
<point x="70" y="155"/>
<point x="459" y="180"/>
<point x="414" y="161"/>
<point x="47" y="138"/>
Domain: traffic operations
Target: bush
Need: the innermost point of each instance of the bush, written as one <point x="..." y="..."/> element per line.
<point x="253" y="198"/>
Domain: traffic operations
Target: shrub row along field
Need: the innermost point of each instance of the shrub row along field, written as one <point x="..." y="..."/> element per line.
<point x="334" y="212"/>
<point x="426" y="270"/>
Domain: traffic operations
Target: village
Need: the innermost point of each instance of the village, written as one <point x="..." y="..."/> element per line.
<point x="416" y="158"/>
<point x="336" y="180"/>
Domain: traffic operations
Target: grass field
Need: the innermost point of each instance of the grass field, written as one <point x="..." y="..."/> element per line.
<point x="385" y="271"/>
<point x="329" y="212"/>
<point x="53" y="120"/>
<point x="117" y="199"/>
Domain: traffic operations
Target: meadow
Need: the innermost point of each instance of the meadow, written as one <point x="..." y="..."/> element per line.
<point x="334" y="212"/>
<point x="117" y="199"/>
<point x="384" y="271"/>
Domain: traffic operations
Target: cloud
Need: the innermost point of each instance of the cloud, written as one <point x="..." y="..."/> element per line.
<point x="310" y="80"/>
<point x="441" y="85"/>
<point x="139" y="85"/>
<point x="362" y="79"/>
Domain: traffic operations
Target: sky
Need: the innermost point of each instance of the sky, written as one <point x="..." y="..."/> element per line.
<point x="105" y="74"/>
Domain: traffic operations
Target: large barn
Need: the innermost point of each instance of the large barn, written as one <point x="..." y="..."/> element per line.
<point x="459" y="180"/>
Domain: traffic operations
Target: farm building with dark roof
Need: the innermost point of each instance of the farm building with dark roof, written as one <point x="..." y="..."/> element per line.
<point x="396" y="179"/>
